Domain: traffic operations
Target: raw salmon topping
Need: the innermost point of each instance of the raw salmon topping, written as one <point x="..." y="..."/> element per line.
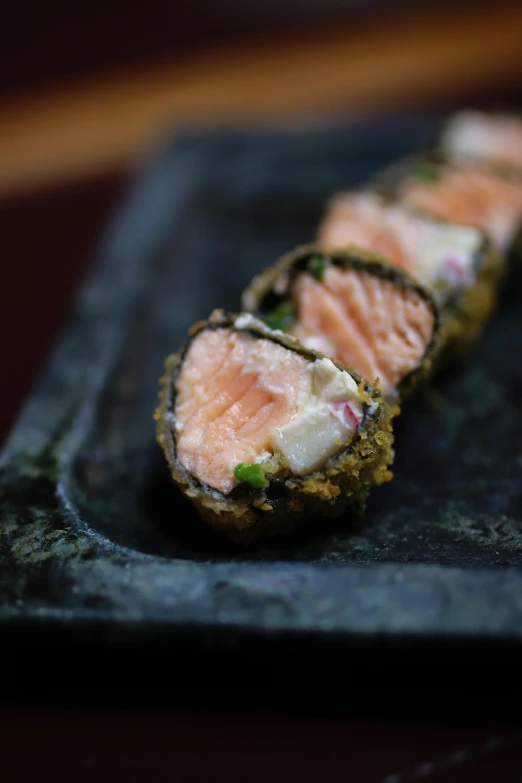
<point x="495" y="138"/>
<point x="472" y="196"/>
<point x="439" y="254"/>
<point x="364" y="322"/>
<point x="241" y="398"/>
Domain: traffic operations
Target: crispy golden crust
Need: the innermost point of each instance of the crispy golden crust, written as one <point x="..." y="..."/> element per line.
<point x="255" y="295"/>
<point x="247" y="514"/>
<point x="463" y="320"/>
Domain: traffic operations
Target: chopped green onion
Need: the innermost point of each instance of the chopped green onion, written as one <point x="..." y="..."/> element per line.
<point x="283" y="317"/>
<point x="426" y="171"/>
<point x="317" y="267"/>
<point x="251" y="474"/>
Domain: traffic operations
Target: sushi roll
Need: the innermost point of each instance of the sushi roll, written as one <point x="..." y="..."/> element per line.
<point x="458" y="264"/>
<point x="496" y="138"/>
<point x="260" y="431"/>
<point x="355" y="308"/>
<point x="465" y="192"/>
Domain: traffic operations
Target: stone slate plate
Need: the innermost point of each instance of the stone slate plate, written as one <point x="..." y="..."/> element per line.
<point x="97" y="546"/>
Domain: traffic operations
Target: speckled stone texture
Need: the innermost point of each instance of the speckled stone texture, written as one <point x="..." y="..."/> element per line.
<point x="91" y="529"/>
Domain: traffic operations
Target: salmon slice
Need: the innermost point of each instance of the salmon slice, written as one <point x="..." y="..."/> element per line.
<point x="473" y="134"/>
<point x="440" y="255"/>
<point x="365" y="322"/>
<point x="362" y="220"/>
<point x="259" y="433"/>
<point x="241" y="399"/>
<point x="471" y="196"/>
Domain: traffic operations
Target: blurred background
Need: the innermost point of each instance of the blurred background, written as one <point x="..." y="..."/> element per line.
<point x="86" y="89"/>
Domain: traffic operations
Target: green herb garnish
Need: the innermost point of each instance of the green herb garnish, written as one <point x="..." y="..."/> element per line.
<point x="251" y="474"/>
<point x="317" y="267"/>
<point x="426" y="171"/>
<point x="283" y="317"/>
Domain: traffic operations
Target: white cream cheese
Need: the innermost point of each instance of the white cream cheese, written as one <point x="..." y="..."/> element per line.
<point x="246" y="321"/>
<point x="447" y="257"/>
<point x="441" y="254"/>
<point x="469" y="134"/>
<point x="329" y="408"/>
<point x="329" y="412"/>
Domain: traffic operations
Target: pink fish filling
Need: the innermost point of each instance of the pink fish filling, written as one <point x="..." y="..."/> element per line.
<point x="471" y="196"/>
<point x="365" y="322"/>
<point x="239" y="398"/>
<point x="440" y="255"/>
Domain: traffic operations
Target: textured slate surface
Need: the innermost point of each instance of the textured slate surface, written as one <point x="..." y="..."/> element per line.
<point x="93" y="535"/>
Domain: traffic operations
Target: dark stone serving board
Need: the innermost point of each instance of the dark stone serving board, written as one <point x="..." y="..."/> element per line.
<point x="98" y="547"/>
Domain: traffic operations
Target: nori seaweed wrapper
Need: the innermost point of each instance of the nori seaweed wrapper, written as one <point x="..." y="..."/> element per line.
<point x="269" y="289"/>
<point x="245" y="513"/>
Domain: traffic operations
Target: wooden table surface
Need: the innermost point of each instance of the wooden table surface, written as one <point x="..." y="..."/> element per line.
<point x="64" y="153"/>
<point x="87" y="128"/>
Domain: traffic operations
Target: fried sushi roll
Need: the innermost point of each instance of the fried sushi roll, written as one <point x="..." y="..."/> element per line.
<point x="496" y="138"/>
<point x="354" y="307"/>
<point x="468" y="193"/>
<point x="458" y="264"/>
<point x="259" y="431"/>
